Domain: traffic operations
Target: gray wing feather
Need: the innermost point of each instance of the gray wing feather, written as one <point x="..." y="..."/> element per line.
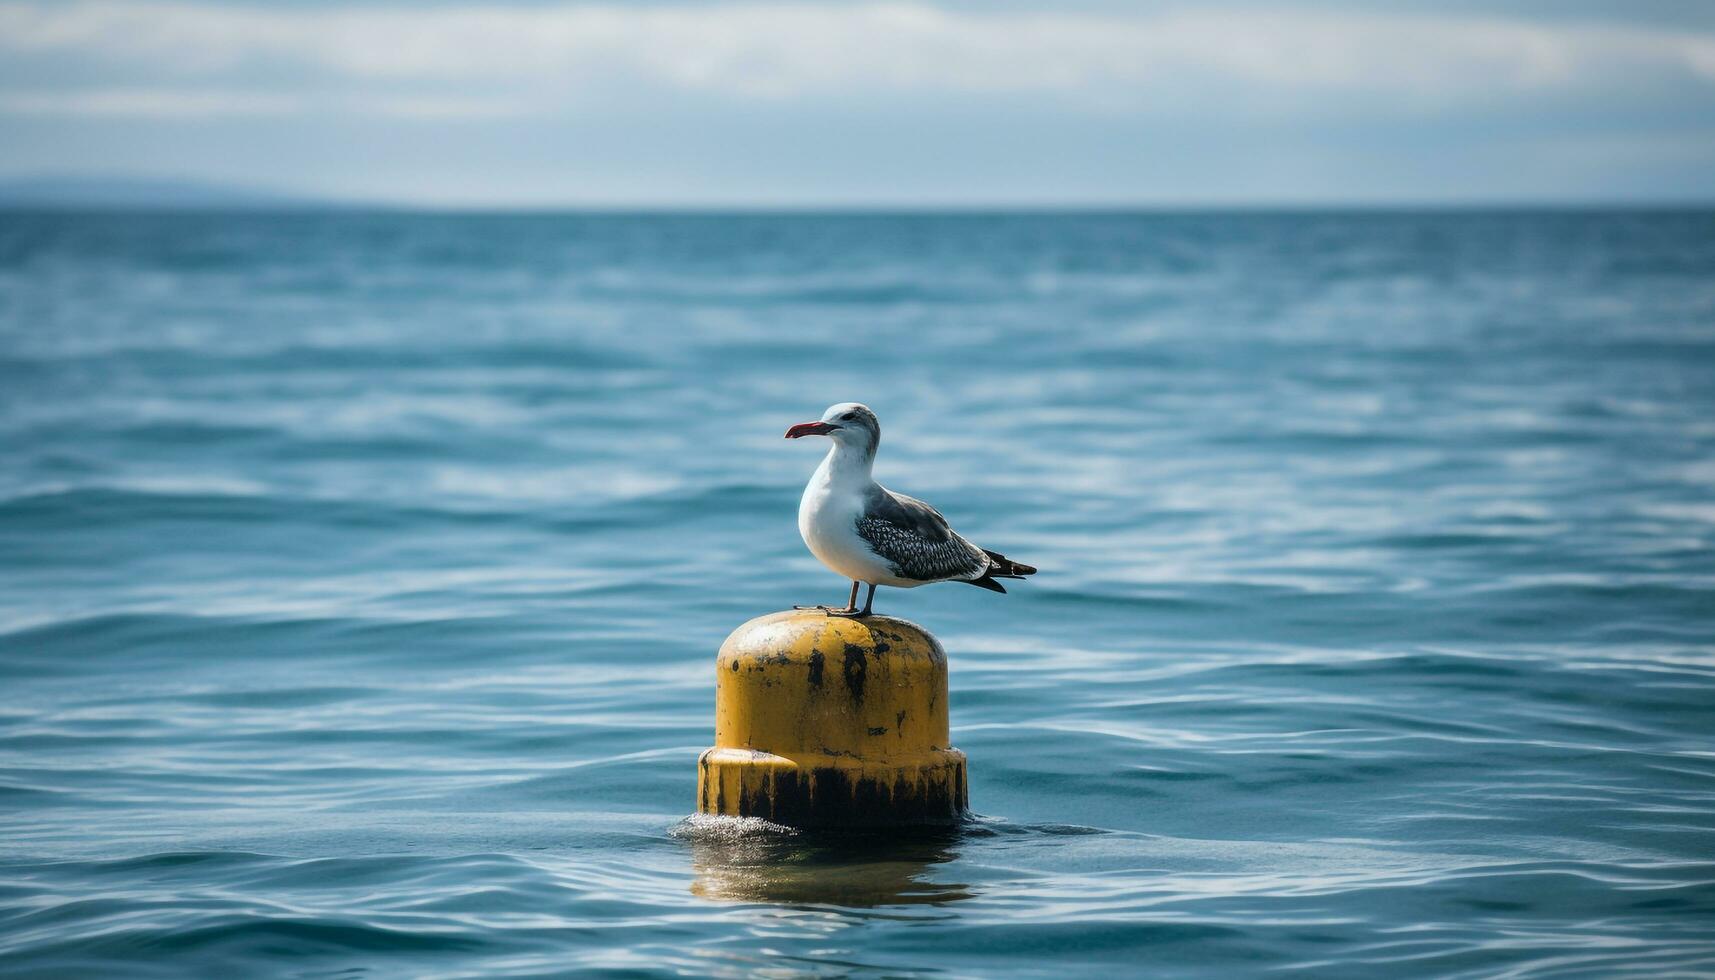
<point x="915" y="538"/>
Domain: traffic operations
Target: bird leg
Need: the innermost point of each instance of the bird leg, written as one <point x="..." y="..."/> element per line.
<point x="851" y="608"/>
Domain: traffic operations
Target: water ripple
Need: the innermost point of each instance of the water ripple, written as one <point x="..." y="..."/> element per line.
<point x="360" y="576"/>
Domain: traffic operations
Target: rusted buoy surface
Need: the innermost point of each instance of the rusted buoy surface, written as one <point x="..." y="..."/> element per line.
<point x="825" y="721"/>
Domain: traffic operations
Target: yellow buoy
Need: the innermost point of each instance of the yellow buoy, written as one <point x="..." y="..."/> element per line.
<point x="824" y="721"/>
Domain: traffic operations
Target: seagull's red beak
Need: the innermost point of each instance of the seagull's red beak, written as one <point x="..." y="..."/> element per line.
<point x="810" y="429"/>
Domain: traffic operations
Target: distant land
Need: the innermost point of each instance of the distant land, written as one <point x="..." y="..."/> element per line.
<point x="74" y="192"/>
<point x="142" y="192"/>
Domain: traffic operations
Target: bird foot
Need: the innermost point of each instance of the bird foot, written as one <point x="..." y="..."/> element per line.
<point x="849" y="611"/>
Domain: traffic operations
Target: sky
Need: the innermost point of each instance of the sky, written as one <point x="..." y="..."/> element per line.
<point x="871" y="104"/>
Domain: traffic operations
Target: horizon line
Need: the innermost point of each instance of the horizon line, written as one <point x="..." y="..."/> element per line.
<point x="89" y="190"/>
<point x="836" y="207"/>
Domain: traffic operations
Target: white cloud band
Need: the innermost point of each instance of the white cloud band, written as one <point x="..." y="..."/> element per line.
<point x="483" y="60"/>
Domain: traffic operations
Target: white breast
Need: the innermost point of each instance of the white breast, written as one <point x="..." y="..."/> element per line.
<point x="827" y="519"/>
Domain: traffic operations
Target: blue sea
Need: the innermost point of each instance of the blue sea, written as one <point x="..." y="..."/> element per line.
<point x="361" y="576"/>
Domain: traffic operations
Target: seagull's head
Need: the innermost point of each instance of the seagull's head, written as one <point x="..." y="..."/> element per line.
<point x="847" y="423"/>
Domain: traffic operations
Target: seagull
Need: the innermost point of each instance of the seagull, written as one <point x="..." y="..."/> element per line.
<point x="873" y="536"/>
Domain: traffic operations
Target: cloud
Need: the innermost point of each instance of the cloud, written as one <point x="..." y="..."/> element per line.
<point x="480" y="61"/>
<point x="191" y="103"/>
<point x="148" y="103"/>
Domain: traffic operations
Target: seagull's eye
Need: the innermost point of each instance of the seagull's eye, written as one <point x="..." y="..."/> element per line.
<point x="847" y="417"/>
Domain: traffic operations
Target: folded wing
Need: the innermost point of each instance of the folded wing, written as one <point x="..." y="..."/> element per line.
<point x="914" y="538"/>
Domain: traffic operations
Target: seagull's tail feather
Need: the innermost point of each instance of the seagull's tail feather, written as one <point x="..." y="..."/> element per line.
<point x="1000" y="566"/>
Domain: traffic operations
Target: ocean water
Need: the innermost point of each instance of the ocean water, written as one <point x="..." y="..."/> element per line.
<point x="361" y="577"/>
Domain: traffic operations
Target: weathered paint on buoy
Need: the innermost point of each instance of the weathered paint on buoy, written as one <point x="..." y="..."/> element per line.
<point x="828" y="721"/>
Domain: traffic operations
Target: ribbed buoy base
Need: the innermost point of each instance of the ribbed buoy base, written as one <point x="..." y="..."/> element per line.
<point x="831" y="791"/>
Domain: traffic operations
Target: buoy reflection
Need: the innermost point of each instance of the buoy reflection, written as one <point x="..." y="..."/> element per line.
<point x="740" y="864"/>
